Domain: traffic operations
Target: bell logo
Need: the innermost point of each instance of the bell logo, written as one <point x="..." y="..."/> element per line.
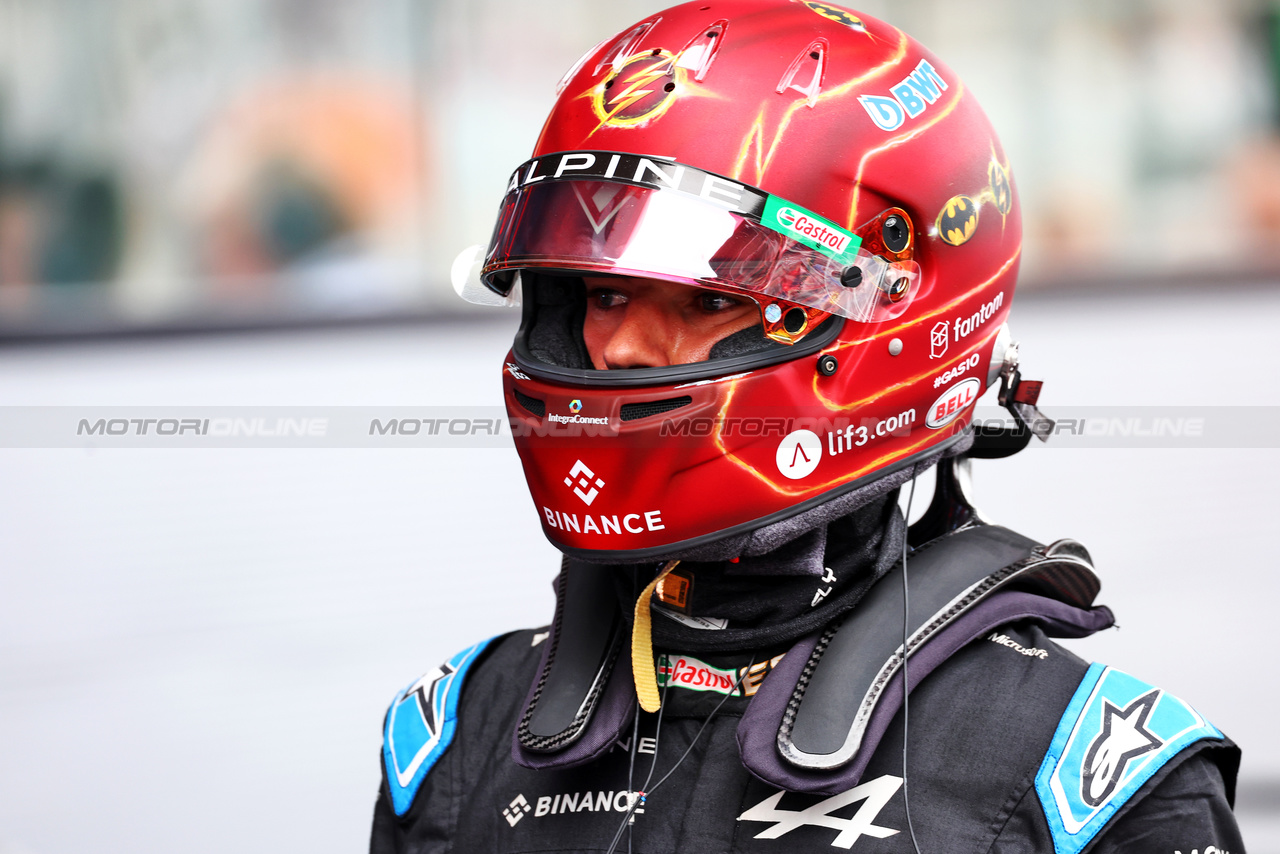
<point x="584" y="478"/>
<point x="952" y="402"/>
<point x="798" y="454"/>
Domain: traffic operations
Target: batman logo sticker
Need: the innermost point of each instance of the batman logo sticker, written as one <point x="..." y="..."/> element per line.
<point x="643" y="89"/>
<point x="835" y="13"/>
<point x="958" y="220"/>
<point x="1001" y="191"/>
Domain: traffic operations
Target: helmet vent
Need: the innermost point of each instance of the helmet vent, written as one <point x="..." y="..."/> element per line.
<point x="617" y="54"/>
<point x="636" y="411"/>
<point x="699" y="53"/>
<point x="537" y="407"/>
<point x="804" y="75"/>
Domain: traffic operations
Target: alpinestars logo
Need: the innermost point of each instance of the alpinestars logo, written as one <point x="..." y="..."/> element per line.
<point x="1124" y="737"/>
<point x="516" y="810"/>
<point x="429" y="691"/>
<point x="584" y="477"/>
<point x="874" y="794"/>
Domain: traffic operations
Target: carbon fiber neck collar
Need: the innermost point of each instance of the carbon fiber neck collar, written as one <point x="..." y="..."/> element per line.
<point x="819" y="715"/>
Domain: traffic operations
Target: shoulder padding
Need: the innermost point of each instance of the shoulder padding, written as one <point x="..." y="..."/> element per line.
<point x="817" y="720"/>
<point x="420" y="725"/>
<point x="1116" y="733"/>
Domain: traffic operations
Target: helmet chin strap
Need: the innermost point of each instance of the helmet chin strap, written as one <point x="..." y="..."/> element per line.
<point x="642" y="662"/>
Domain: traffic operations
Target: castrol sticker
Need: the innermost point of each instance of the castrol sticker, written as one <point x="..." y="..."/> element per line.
<point x="797" y="223"/>
<point x="810" y="229"/>
<point x="686" y="671"/>
<point x="952" y="402"/>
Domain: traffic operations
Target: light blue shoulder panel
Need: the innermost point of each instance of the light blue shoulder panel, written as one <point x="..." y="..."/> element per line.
<point x="1115" y="734"/>
<point x="420" y="725"/>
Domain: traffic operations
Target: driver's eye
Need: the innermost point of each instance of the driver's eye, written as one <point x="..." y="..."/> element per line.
<point x="607" y="297"/>
<point x="711" y="301"/>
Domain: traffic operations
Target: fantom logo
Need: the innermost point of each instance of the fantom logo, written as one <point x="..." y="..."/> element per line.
<point x="643" y="89"/>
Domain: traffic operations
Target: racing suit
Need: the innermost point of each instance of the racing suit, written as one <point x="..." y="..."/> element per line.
<point x="1012" y="744"/>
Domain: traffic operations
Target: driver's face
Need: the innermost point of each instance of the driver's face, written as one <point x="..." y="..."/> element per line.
<point x="647" y="323"/>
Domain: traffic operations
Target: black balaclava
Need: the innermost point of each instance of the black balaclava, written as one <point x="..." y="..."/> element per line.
<point x="776" y="598"/>
<point x="774" y="593"/>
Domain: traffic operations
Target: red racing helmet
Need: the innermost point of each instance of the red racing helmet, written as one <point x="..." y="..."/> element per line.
<point x="802" y="158"/>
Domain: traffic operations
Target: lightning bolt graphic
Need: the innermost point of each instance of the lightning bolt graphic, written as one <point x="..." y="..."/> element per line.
<point x="920" y="377"/>
<point x="755" y="136"/>
<point x="899" y="140"/>
<point x="942" y="309"/>
<point x="633" y="92"/>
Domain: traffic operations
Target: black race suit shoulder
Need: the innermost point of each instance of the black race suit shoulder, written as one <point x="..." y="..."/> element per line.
<point x="979" y="729"/>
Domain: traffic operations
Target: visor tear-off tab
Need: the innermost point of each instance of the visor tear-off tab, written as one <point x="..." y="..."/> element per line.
<point x="819" y="716"/>
<point x="582" y="698"/>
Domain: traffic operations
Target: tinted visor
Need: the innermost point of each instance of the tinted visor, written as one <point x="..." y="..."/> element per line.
<point x="764" y="247"/>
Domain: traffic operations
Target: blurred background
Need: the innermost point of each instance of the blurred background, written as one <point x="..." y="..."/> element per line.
<point x="196" y="646"/>
<point x="195" y="163"/>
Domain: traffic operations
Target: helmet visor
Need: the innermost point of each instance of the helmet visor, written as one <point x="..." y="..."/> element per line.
<point x="730" y="237"/>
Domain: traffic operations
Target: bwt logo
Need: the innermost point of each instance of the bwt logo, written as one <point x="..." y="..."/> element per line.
<point x="584" y="477"/>
<point x="911" y="97"/>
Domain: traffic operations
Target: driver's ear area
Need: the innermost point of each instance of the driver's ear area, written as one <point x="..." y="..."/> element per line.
<point x="556" y="307"/>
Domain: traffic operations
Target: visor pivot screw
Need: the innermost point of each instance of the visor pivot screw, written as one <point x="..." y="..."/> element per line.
<point x="851" y="277"/>
<point x="895" y="347"/>
<point x="773" y="312"/>
<point x="895" y="233"/>
<point x="827" y="365"/>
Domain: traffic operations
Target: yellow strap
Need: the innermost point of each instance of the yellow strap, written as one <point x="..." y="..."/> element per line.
<point x="642" y="665"/>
